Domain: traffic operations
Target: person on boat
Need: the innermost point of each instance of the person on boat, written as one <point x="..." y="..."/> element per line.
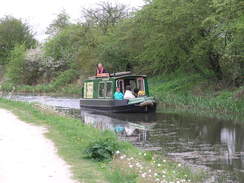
<point x="100" y="69"/>
<point x="128" y="93"/>
<point x="118" y="95"/>
<point x="136" y="90"/>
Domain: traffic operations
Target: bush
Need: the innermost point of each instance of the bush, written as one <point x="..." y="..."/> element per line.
<point x="15" y="67"/>
<point x="65" y="78"/>
<point x="102" y="149"/>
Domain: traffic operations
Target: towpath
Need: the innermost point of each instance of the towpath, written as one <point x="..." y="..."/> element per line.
<point x="26" y="156"/>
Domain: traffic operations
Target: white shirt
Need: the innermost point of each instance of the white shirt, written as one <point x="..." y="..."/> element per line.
<point x="128" y="94"/>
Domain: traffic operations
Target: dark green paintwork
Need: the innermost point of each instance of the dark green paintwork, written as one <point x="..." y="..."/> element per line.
<point x="97" y="80"/>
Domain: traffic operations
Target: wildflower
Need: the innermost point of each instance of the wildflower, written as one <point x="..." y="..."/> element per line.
<point x="140" y="153"/>
<point x="157" y="180"/>
<point x="164" y="172"/>
<point x="179" y="165"/>
<point x="164" y="160"/>
<point x="143" y="175"/>
<point x="117" y="152"/>
<point x="149" y="170"/>
<point x="163" y="176"/>
<point x="155" y="174"/>
<point x="159" y="165"/>
<point x="144" y="154"/>
<point x="131" y="166"/>
<point x="123" y="157"/>
<point x="154" y="161"/>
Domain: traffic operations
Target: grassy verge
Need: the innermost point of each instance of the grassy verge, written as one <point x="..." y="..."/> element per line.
<point x="71" y="138"/>
<point x="193" y="94"/>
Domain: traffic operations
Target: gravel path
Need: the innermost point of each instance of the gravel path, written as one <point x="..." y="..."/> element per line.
<point x="26" y="156"/>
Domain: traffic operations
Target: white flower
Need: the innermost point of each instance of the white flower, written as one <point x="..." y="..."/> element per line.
<point x="131" y="166"/>
<point x="140" y="153"/>
<point x="179" y="165"/>
<point x="117" y="152"/>
<point x="155" y="174"/>
<point x="144" y="154"/>
<point x="143" y="175"/>
<point x="164" y="160"/>
<point x="149" y="170"/>
<point x="159" y="165"/>
<point x="163" y="176"/>
<point x="157" y="180"/>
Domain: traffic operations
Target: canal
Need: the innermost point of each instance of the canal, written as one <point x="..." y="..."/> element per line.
<point x="216" y="146"/>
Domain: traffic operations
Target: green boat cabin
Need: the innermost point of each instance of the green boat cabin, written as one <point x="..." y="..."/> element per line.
<point x="104" y="87"/>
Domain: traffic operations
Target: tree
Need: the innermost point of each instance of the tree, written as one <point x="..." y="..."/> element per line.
<point x="62" y="21"/>
<point x="12" y="32"/>
<point x="105" y="16"/>
<point x="15" y="67"/>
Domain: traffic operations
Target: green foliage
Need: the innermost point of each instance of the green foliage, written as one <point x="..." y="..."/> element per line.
<point x="15" y="67"/>
<point x="62" y="21"/>
<point x="12" y="32"/>
<point x="184" y="92"/>
<point x="102" y="149"/>
<point x="65" y="78"/>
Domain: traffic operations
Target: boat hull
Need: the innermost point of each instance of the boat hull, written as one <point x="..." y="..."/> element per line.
<point x="117" y="106"/>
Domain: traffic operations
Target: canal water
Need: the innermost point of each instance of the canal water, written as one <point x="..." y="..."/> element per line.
<point x="216" y="146"/>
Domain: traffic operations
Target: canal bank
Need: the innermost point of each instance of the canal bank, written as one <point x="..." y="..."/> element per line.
<point x="71" y="137"/>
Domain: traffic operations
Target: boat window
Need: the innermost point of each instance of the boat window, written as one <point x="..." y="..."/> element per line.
<point x="131" y="83"/>
<point x="140" y="84"/>
<point x="109" y="91"/>
<point x="120" y="84"/>
<point x="101" y="90"/>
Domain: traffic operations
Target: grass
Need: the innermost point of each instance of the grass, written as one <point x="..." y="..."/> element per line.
<point x="71" y="138"/>
<point x="193" y="94"/>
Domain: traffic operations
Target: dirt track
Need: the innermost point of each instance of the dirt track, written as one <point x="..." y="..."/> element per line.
<point x="26" y="156"/>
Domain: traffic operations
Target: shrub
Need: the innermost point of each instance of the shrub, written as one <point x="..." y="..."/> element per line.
<point x="15" y="67"/>
<point x="102" y="149"/>
<point x="66" y="77"/>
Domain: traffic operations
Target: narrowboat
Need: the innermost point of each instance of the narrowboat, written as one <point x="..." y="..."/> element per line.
<point x="98" y="91"/>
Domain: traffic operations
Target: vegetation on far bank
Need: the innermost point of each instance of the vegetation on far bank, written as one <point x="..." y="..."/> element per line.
<point x="77" y="143"/>
<point x="193" y="94"/>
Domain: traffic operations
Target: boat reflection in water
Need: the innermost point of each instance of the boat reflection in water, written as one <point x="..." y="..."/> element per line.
<point x="136" y="133"/>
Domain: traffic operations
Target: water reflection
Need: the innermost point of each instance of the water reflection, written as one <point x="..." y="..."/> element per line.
<point x="203" y="142"/>
<point x="137" y="133"/>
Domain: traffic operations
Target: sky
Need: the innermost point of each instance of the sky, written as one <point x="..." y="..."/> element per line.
<point x="40" y="13"/>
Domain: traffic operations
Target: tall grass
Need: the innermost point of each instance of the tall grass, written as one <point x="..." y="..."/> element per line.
<point x="193" y="93"/>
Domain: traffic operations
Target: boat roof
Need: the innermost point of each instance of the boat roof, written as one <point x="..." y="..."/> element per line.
<point x="117" y="75"/>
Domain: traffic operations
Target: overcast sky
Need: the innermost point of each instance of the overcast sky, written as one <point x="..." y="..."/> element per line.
<point x="40" y="13"/>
